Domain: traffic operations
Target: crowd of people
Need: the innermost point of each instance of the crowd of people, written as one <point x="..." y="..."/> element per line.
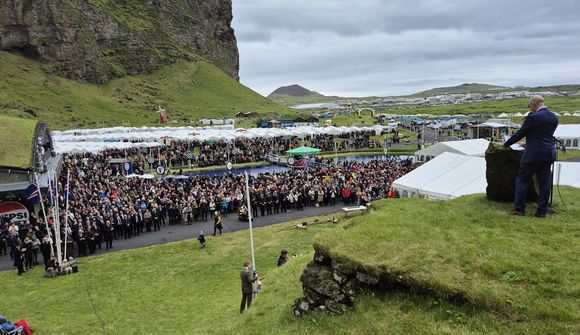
<point x="105" y="206"/>
<point x="179" y="154"/>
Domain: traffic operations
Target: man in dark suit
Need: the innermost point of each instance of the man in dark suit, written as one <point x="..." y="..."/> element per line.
<point x="247" y="286"/>
<point x="539" y="154"/>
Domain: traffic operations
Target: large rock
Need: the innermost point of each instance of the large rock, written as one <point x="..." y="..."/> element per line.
<point x="96" y="41"/>
<point x="502" y="169"/>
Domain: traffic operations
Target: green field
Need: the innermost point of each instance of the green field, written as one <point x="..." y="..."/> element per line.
<point x="517" y="275"/>
<point x="189" y="91"/>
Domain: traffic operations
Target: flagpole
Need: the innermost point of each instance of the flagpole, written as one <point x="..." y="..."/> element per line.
<point x="56" y="211"/>
<point x="66" y="212"/>
<point x="43" y="212"/>
<point x="250" y="222"/>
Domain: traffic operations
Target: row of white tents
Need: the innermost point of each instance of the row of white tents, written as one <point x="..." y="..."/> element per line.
<point x="94" y="140"/>
<point x="518" y="114"/>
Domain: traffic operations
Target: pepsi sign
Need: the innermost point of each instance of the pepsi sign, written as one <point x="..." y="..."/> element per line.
<point x="14" y="211"/>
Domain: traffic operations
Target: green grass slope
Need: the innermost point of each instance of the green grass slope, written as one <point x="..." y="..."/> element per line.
<point x="521" y="268"/>
<point x="470" y="244"/>
<point x="189" y="91"/>
<point x="16" y="136"/>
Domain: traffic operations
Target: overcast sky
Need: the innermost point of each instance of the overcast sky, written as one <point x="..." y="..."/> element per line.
<point x="394" y="47"/>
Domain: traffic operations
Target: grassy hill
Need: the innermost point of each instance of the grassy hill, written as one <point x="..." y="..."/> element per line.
<point x="471" y="246"/>
<point x="16" y="136"/>
<point x="556" y="104"/>
<point x="484" y="88"/>
<point x="189" y="91"/>
<point x="295" y="95"/>
<point x="459" y="89"/>
<point x="288" y="100"/>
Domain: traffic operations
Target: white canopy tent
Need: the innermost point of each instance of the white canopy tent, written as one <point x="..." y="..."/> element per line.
<point x="569" y="134"/>
<point x="567" y="173"/>
<point x="447" y="176"/>
<point x="475" y="147"/>
<point x="94" y="140"/>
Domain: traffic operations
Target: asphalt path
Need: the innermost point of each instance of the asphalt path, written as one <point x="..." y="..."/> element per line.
<point x="182" y="232"/>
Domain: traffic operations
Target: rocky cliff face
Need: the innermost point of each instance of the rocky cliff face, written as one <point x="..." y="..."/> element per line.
<point x="97" y="40"/>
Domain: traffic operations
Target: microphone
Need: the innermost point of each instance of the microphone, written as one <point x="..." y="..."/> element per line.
<point x="561" y="143"/>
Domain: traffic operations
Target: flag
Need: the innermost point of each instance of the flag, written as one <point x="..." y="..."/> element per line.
<point x="32" y="193"/>
<point x="68" y="193"/>
<point x="51" y="192"/>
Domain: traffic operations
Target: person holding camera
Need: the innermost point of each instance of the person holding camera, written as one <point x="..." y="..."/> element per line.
<point x="247" y="286"/>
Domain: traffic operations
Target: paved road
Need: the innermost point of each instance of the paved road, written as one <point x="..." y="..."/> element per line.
<point x="183" y="232"/>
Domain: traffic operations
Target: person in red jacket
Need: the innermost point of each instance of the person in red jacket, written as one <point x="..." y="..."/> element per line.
<point x="345" y="194"/>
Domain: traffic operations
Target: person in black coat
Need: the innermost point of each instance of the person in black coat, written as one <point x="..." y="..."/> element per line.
<point x="108" y="231"/>
<point x="45" y="250"/>
<point x="247" y="286"/>
<point x="19" y="259"/>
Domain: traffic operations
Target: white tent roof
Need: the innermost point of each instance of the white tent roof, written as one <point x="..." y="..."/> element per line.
<point x="503" y="115"/>
<point x="566" y="131"/>
<point x="447" y="176"/>
<point x="475" y="147"/>
<point x="94" y="140"/>
<point x="451" y="175"/>
<point x="569" y="174"/>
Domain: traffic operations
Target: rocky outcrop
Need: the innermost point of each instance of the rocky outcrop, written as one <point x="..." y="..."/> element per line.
<point x="330" y="286"/>
<point x="501" y="172"/>
<point x="97" y="40"/>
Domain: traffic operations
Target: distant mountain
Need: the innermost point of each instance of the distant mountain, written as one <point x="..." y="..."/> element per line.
<point x="461" y="89"/>
<point x="295" y="95"/>
<point x="293" y="91"/>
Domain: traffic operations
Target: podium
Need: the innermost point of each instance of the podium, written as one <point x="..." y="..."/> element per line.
<point x="502" y="169"/>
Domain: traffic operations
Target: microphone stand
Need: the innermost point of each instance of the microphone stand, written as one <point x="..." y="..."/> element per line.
<point x="563" y="148"/>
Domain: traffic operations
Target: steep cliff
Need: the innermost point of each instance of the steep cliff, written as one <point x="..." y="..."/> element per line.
<point x="97" y="40"/>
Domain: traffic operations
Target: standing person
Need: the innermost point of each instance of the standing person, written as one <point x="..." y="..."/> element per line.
<point x="201" y="239"/>
<point x="247" y="286"/>
<point x="108" y="231"/>
<point x="45" y="250"/>
<point x="35" y="248"/>
<point x="82" y="242"/>
<point x="217" y="224"/>
<point x="19" y="260"/>
<point x="538" y="129"/>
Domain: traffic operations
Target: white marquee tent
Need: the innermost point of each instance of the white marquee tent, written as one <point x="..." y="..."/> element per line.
<point x="94" y="140"/>
<point x="569" y="134"/>
<point x="447" y="176"/>
<point x="475" y="147"/>
<point x="567" y="173"/>
<point x="451" y="175"/>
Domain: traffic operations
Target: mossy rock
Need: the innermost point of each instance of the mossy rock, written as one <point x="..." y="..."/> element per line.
<point x="502" y="168"/>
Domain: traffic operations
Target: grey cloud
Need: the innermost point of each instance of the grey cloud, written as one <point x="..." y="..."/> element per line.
<point x="375" y="47"/>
